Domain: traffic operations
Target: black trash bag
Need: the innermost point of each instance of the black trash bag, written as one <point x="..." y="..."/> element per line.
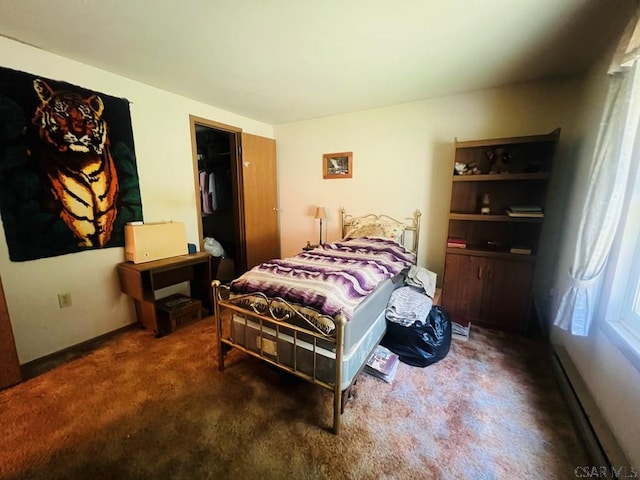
<point x="423" y="342"/>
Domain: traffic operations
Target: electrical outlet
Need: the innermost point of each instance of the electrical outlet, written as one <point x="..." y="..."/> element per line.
<point x="64" y="300"/>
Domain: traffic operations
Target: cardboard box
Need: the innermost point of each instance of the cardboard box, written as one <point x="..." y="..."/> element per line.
<point x="154" y="241"/>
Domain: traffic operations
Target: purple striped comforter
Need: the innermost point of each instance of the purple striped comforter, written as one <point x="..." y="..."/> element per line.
<point x="331" y="278"/>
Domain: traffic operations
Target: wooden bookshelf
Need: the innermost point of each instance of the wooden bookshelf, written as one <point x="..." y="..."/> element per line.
<point x="483" y="282"/>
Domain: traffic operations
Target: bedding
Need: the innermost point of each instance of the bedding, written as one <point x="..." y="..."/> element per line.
<point x="324" y="325"/>
<point x="332" y="278"/>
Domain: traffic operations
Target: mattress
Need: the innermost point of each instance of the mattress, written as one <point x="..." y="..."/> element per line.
<point x="369" y="309"/>
<point x="280" y="348"/>
<point x="363" y="315"/>
<point x="332" y="278"/>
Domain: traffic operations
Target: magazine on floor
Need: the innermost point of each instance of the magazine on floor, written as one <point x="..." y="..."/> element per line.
<point x="460" y="328"/>
<point x="382" y="364"/>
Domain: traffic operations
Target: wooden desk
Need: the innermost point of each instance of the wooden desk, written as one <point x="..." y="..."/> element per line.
<point x="141" y="280"/>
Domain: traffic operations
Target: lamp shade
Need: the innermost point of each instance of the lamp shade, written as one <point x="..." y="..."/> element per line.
<point x="320" y="213"/>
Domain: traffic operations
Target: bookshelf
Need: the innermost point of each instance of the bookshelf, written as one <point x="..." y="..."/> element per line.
<point x="490" y="257"/>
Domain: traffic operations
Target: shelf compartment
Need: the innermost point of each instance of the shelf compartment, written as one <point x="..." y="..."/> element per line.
<point x="466" y="197"/>
<point x="545" y="138"/>
<point x="526" y="157"/>
<point x="476" y="217"/>
<point x="479" y="252"/>
<point x="502" y="177"/>
<point x="479" y="235"/>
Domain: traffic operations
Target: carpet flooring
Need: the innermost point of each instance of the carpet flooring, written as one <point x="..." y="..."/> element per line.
<point x="138" y="407"/>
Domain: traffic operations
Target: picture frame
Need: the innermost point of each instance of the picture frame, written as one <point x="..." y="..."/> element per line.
<point x="337" y="165"/>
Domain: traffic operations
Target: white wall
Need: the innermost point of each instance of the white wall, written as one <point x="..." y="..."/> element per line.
<point x="161" y="132"/>
<point x="403" y="157"/>
<point x="612" y="380"/>
<point x="402" y="162"/>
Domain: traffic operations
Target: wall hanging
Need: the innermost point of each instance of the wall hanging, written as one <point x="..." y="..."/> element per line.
<point x="68" y="174"/>
<point x="337" y="165"/>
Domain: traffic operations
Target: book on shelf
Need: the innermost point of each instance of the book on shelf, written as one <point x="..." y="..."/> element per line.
<point x="456" y="243"/>
<point x="521" y="250"/>
<point x="382" y="364"/>
<point x="525" y="208"/>
<point x="511" y="213"/>
<point x="460" y="328"/>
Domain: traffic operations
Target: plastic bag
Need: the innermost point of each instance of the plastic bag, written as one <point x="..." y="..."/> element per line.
<point x="212" y="246"/>
<point x="423" y="342"/>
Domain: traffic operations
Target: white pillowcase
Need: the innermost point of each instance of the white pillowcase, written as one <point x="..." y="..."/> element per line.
<point x="376" y="228"/>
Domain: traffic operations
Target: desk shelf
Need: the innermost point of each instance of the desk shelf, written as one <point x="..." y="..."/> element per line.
<point x="141" y="280"/>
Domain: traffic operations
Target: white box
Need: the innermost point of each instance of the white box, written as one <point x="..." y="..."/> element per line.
<point x="154" y="241"/>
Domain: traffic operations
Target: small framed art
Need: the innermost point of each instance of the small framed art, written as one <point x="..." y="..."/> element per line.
<point x="337" y="165"/>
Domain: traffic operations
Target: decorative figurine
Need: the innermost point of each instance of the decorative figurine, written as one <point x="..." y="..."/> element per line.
<point x="485" y="209"/>
<point x="499" y="160"/>
<point x="460" y="168"/>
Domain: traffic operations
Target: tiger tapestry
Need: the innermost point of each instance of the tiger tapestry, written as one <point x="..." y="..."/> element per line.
<point x="68" y="174"/>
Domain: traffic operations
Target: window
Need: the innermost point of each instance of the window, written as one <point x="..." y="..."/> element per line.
<point x="631" y="304"/>
<point x="621" y="295"/>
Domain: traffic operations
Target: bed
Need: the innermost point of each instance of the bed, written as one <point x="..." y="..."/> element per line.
<point x="320" y="314"/>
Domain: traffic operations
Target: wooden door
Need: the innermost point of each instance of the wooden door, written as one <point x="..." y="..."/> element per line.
<point x="9" y="365"/>
<point x="260" y="199"/>
<point x="507" y="294"/>
<point x="490" y="292"/>
<point x="463" y="286"/>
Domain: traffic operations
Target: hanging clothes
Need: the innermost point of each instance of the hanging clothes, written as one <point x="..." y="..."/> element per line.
<point x="204" y="193"/>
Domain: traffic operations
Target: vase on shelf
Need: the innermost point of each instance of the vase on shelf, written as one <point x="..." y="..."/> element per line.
<point x="486" y="205"/>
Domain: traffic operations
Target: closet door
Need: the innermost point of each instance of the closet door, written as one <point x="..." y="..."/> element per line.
<point x="9" y="364"/>
<point x="260" y="199"/>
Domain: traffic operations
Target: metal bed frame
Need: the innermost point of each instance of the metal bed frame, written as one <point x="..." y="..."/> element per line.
<point x="276" y="314"/>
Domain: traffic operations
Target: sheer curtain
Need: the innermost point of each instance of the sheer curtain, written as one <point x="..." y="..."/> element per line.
<point x="606" y="190"/>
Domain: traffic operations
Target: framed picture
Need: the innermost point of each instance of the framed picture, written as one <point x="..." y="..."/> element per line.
<point x="337" y="165"/>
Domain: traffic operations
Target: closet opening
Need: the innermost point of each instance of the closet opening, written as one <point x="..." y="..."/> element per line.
<point x="218" y="174"/>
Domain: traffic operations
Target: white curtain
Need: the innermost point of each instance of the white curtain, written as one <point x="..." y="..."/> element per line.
<point x="606" y="191"/>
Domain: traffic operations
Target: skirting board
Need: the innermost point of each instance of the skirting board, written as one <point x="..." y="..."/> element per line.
<point x="43" y="364"/>
<point x="602" y="446"/>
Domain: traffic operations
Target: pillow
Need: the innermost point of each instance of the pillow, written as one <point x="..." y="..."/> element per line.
<point x="366" y="231"/>
<point x="394" y="231"/>
<point x="376" y="229"/>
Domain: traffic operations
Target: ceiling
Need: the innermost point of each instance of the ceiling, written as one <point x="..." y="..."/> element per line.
<point x="280" y="61"/>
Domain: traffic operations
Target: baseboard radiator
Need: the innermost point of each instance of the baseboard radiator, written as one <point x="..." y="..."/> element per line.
<point x="598" y="439"/>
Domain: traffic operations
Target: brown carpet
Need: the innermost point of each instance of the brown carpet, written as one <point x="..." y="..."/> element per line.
<point x="146" y="408"/>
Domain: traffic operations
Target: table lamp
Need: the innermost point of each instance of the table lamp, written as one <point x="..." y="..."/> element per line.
<point x="320" y="214"/>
